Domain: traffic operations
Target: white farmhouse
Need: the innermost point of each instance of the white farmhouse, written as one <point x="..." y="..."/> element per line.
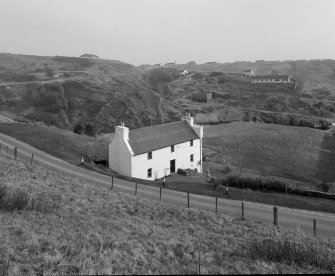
<point x="271" y="79"/>
<point x="156" y="151"/>
<point x="248" y="73"/>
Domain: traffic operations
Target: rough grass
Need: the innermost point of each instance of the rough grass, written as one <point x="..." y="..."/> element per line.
<point x="288" y="250"/>
<point x="59" y="142"/>
<point x="272" y="150"/>
<point x="95" y="231"/>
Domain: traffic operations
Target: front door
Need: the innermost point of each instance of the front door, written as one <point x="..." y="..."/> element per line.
<point x="173" y="166"/>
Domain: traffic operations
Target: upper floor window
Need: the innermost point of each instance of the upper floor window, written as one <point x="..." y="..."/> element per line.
<point x="149" y="155"/>
<point x="191" y="157"/>
<point x="172" y="148"/>
<point x="191" y="143"/>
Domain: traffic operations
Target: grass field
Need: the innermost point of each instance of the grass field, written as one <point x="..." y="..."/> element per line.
<point x="274" y="150"/>
<point x="59" y="142"/>
<point x="71" y="147"/>
<point x="88" y="230"/>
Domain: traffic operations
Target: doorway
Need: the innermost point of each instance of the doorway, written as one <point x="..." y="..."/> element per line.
<point x="173" y="166"/>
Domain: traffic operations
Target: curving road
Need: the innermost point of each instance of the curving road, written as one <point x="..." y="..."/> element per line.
<point x="289" y="218"/>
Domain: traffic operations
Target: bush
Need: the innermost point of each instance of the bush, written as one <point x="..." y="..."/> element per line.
<point x="199" y="97"/>
<point x="256" y="183"/>
<point x="78" y="128"/>
<point x="288" y="251"/>
<point x="323" y="187"/>
<point x="182" y="172"/>
<point x="18" y="199"/>
<point x="89" y="129"/>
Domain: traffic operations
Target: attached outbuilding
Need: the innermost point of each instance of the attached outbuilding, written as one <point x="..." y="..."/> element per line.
<point x="157" y="151"/>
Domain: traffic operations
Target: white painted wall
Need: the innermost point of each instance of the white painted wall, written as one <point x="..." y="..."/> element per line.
<point x="120" y="152"/>
<point x="161" y="160"/>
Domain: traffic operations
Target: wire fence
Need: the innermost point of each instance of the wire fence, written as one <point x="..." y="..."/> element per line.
<point x="314" y="223"/>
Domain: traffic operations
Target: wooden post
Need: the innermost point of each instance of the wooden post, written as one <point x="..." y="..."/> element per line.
<point x="314" y="227"/>
<point x="160" y="193"/>
<point x="7" y="151"/>
<point x="135" y="188"/>
<point x="188" y="200"/>
<point x="32" y="158"/>
<point x="0" y="148"/>
<point x="275" y="216"/>
<point x="216" y="205"/>
<point x="15" y="153"/>
<point x="112" y="183"/>
<point x="242" y="210"/>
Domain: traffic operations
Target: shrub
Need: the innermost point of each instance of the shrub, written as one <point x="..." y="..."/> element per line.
<point x="182" y="172"/>
<point x="256" y="183"/>
<point x="89" y="129"/>
<point x="286" y="250"/>
<point x="18" y="199"/>
<point x="323" y="187"/>
<point x="199" y="97"/>
<point x="78" y="128"/>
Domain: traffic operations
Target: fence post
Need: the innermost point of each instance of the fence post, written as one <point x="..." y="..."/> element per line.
<point x="216" y="205"/>
<point x="314" y="227"/>
<point x="188" y="200"/>
<point x="242" y="210"/>
<point x="0" y="148"/>
<point x="160" y="193"/>
<point x="275" y="216"/>
<point x="15" y="153"/>
<point x="135" y="188"/>
<point x="112" y="183"/>
<point x="7" y="151"/>
<point x="32" y="158"/>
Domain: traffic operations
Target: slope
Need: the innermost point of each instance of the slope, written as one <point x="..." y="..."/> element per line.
<point x="74" y="228"/>
<point x="65" y="91"/>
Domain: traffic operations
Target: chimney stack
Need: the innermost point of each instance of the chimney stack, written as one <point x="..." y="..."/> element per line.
<point x="122" y="132"/>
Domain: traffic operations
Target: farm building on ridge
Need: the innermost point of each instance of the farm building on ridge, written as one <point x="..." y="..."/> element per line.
<point x="157" y="151"/>
<point x="89" y="56"/>
<point x="248" y="73"/>
<point x="271" y="79"/>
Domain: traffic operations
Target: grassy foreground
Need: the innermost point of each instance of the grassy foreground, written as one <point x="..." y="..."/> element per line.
<point x="75" y="228"/>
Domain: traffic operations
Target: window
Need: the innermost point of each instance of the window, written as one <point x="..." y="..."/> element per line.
<point x="172" y="148"/>
<point x="191" y="158"/>
<point x="149" y="155"/>
<point x="149" y="173"/>
<point x="191" y="143"/>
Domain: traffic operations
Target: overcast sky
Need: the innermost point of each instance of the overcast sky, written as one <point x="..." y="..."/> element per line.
<point x="157" y="31"/>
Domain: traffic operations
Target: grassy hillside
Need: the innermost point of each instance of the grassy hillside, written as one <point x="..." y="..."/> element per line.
<point x="65" y="92"/>
<point x="61" y="143"/>
<point x="65" y="226"/>
<point x="272" y="150"/>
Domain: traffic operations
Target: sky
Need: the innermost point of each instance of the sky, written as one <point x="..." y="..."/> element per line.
<point x="159" y="31"/>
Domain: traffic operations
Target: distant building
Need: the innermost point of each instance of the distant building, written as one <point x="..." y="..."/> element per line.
<point x="211" y="62"/>
<point x="170" y="64"/>
<point x="248" y="73"/>
<point x="271" y="79"/>
<point x="89" y="56"/>
<point x="157" y="151"/>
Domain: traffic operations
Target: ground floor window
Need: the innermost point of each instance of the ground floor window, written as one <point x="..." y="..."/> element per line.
<point x="149" y="173"/>
<point x="191" y="157"/>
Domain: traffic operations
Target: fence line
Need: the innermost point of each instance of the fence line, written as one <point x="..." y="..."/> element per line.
<point x="137" y="186"/>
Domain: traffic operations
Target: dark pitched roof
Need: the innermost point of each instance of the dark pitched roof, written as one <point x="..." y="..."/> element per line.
<point x="151" y="138"/>
<point x="247" y="70"/>
<point x="271" y="77"/>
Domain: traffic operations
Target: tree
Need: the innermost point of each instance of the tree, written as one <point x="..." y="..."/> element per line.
<point x="89" y="129"/>
<point x="78" y="128"/>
